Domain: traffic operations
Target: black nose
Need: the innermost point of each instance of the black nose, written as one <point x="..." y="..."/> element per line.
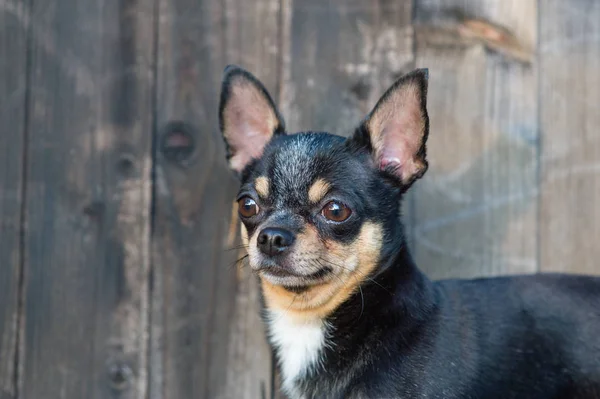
<point x="273" y="240"/>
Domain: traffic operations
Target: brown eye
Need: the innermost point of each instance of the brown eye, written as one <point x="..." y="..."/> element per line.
<point x="336" y="211"/>
<point x="247" y="207"/>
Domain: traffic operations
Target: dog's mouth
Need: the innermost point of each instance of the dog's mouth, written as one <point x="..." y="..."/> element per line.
<point x="290" y="278"/>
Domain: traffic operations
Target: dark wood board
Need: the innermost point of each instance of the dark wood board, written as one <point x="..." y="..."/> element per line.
<point x="118" y="235"/>
<point x="208" y="340"/>
<point x="475" y="210"/>
<point x="88" y="200"/>
<point x="569" y="57"/>
<point x="13" y="80"/>
<point x="338" y="59"/>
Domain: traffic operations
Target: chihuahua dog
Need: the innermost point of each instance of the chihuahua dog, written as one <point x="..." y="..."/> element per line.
<point x="348" y="313"/>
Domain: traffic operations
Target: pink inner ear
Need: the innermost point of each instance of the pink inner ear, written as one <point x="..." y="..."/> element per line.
<point x="250" y="122"/>
<point x="248" y="141"/>
<point x="400" y="135"/>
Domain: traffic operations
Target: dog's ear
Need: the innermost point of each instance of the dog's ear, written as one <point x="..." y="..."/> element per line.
<point x="248" y="117"/>
<point x="396" y="130"/>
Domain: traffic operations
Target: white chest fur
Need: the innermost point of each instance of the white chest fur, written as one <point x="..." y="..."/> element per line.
<point x="298" y="345"/>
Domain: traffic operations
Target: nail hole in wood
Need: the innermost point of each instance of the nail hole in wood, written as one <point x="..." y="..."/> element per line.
<point x="119" y="376"/>
<point x="361" y="89"/>
<point x="94" y="209"/>
<point x="126" y="164"/>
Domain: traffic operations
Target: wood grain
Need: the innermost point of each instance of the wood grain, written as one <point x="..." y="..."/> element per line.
<point x="209" y="341"/>
<point x="88" y="133"/>
<point x="13" y="69"/>
<point x="569" y="96"/>
<point x="339" y="58"/>
<point x="88" y="200"/>
<point x="475" y="211"/>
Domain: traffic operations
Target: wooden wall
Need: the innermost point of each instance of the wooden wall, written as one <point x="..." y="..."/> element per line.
<point x="118" y="241"/>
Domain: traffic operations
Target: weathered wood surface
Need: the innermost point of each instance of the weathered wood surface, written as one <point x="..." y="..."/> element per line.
<point x="13" y="67"/>
<point x="569" y="56"/>
<point x="338" y="58"/>
<point x="475" y="211"/>
<point x="110" y="147"/>
<point x="88" y="189"/>
<point x="208" y="340"/>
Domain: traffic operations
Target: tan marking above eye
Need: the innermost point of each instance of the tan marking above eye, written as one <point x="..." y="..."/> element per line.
<point x="318" y="190"/>
<point x="261" y="185"/>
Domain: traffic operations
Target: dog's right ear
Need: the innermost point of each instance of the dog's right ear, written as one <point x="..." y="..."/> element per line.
<point x="248" y="117"/>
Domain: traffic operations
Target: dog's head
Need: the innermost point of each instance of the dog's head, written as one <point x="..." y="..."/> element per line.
<point x="320" y="211"/>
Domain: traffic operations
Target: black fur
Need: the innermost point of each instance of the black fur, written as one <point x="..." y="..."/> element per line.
<point x="508" y="337"/>
<point x="404" y="336"/>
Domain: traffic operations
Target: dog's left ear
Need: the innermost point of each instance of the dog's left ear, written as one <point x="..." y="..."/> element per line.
<point x="248" y="117"/>
<point x="396" y="130"/>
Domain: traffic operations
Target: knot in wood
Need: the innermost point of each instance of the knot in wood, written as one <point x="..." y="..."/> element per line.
<point x="178" y="142"/>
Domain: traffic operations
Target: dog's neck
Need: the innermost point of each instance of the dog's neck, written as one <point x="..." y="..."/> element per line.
<point x="398" y="296"/>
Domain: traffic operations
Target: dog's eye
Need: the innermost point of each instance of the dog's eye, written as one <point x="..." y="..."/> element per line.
<point x="247" y="207"/>
<point x="336" y="211"/>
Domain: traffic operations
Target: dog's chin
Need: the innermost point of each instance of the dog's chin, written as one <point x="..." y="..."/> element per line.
<point x="293" y="277"/>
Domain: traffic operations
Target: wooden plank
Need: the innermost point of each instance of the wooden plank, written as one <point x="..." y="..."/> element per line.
<point x="88" y="200"/>
<point x="475" y="211"/>
<point x="338" y="59"/>
<point x="569" y="97"/>
<point x="208" y="339"/>
<point x="13" y="67"/>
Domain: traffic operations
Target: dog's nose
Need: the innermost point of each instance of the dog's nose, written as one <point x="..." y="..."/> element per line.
<point x="273" y="240"/>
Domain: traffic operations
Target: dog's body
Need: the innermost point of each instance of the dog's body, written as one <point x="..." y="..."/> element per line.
<point x="524" y="337"/>
<point x="348" y="313"/>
